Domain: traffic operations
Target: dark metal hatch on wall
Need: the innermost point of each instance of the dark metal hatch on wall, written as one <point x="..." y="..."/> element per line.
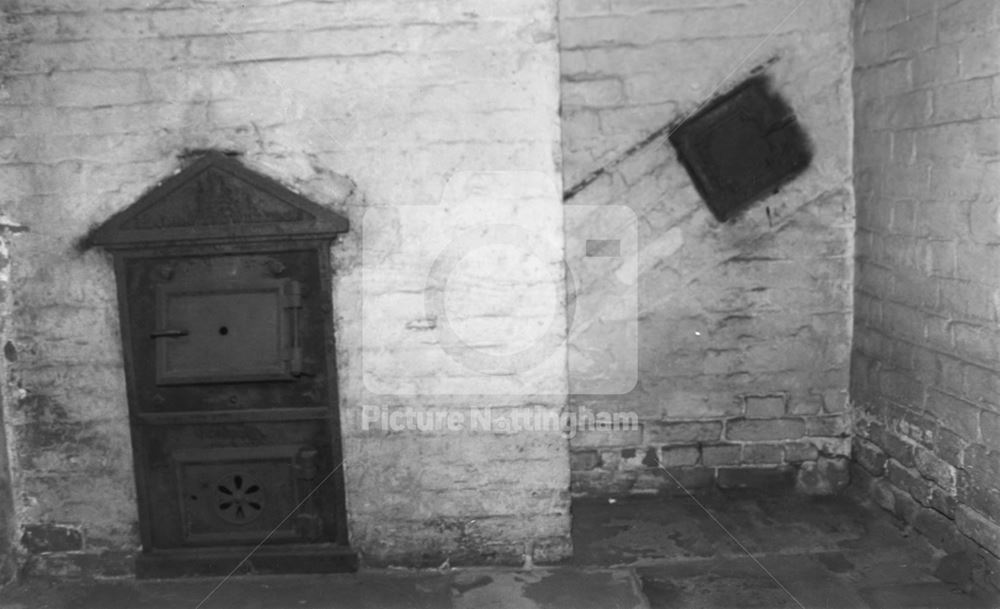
<point x="226" y="315"/>
<point x="742" y="147"/>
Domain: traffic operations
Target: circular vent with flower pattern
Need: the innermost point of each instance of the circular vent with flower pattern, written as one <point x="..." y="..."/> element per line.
<point x="239" y="498"/>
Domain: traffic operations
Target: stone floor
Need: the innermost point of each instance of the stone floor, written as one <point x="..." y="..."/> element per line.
<point x="769" y="551"/>
<point x="731" y="550"/>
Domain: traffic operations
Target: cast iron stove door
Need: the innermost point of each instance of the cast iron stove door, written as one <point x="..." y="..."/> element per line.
<point x="232" y="393"/>
<point x="224" y="290"/>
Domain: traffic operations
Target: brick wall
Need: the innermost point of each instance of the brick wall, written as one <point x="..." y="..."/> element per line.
<point x="357" y="105"/>
<point x="926" y="365"/>
<point x="743" y="329"/>
<point x="8" y="524"/>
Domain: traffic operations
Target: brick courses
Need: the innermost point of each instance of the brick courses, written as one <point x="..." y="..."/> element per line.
<point x="926" y="365"/>
<point x="745" y="326"/>
<point x="353" y="104"/>
<point x="745" y="331"/>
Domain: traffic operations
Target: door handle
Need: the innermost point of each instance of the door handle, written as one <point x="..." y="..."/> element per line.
<point x="167" y="333"/>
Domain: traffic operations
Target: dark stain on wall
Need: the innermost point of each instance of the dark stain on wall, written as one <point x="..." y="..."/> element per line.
<point x="51" y="538"/>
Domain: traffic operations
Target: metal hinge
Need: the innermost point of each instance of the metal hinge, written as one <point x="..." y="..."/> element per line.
<point x="306" y="463"/>
<point x="293" y="302"/>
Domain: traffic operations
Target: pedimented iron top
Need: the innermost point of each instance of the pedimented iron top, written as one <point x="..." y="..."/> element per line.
<point x="216" y="199"/>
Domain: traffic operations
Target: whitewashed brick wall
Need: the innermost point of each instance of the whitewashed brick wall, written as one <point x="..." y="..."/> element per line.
<point x="926" y="367"/>
<point x="354" y="104"/>
<point x="743" y="328"/>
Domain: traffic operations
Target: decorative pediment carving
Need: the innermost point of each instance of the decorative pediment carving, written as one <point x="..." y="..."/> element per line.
<point x="216" y="199"/>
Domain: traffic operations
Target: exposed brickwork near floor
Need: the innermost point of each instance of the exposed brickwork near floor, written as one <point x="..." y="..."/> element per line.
<point x="926" y="367"/>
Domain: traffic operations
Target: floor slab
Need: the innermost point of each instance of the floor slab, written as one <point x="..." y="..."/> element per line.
<point x="747" y="549"/>
<point x="725" y="550"/>
<point x="473" y="588"/>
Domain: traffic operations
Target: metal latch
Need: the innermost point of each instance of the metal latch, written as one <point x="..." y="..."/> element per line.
<point x="167" y="333"/>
